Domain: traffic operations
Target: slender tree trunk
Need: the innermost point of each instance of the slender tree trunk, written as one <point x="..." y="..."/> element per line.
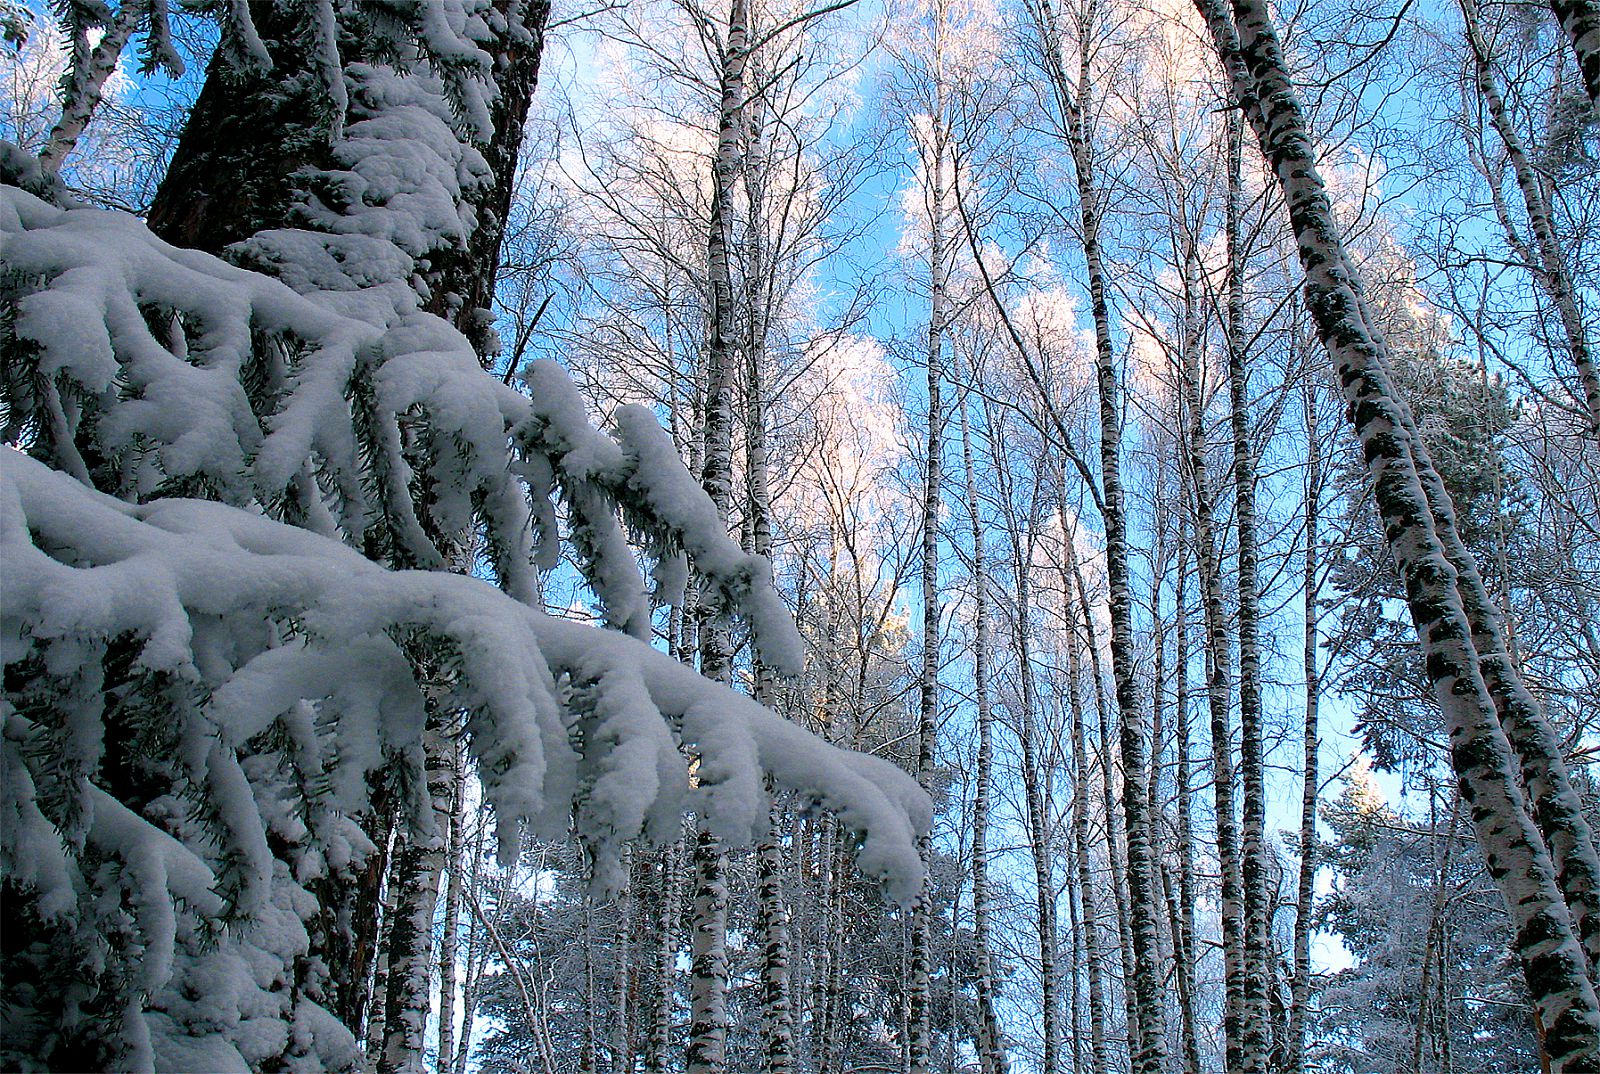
<point x="1254" y="859"/>
<point x="1300" y="995"/>
<point x="1099" y="1060"/>
<point x="1477" y="687"/>
<point x="448" y="938"/>
<point x="658" y="1042"/>
<point x="1238" y="1056"/>
<point x="1550" y="268"/>
<point x="410" y="947"/>
<point x="708" y="1020"/>
<point x="623" y="1012"/>
<point x="1033" y="788"/>
<point x="991" y="1050"/>
<point x="472" y="979"/>
<point x="1185" y="928"/>
<point x="1147" y="1043"/>
<point x="919" y="1010"/>
<point x="1113" y="824"/>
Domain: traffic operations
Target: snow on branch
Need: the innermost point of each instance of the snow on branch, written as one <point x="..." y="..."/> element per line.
<point x="287" y="666"/>
<point x="380" y="426"/>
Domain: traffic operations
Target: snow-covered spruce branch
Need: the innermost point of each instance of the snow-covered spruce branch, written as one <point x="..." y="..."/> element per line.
<point x="163" y="347"/>
<point x="281" y="658"/>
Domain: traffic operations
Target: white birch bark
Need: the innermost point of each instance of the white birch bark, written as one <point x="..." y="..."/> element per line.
<point x="1148" y="1043"/>
<point x="1254" y="863"/>
<point x="410" y="944"/>
<point x="1581" y="20"/>
<point x="1239" y="1054"/>
<point x="1300" y="989"/>
<point x="1420" y="526"/>
<point x="1549" y="267"/>
<point x="85" y="83"/>
<point x="991" y="1050"/>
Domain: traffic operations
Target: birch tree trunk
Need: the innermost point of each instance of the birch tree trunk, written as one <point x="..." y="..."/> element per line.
<point x="1147" y="1044"/>
<point x="658" y="1040"/>
<point x="708" y="1017"/>
<point x="1254" y="861"/>
<point x="85" y="83"/>
<point x="448" y="938"/>
<point x="1548" y="265"/>
<point x="1099" y="1060"/>
<point x="920" y="1010"/>
<point x="991" y="1050"/>
<point x="1473" y="678"/>
<point x="1038" y="823"/>
<point x="1241" y="1046"/>
<point x="1114" y="840"/>
<point x="1184" y="929"/>
<point x="1300" y="992"/>
<point x="410" y="947"/>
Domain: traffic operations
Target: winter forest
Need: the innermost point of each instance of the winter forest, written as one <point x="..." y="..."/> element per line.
<point x="800" y="536"/>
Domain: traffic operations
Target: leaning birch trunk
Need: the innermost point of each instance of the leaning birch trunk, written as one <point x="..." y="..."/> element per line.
<point x="1300" y="991"/>
<point x="1581" y="20"/>
<point x="410" y="948"/>
<point x="1475" y="683"/>
<point x="991" y="1051"/>
<point x="1548" y="264"/>
<point x="1254" y="863"/>
<point x="1147" y="1039"/>
<point x="85" y="83"/>
<point x="1239" y="1054"/>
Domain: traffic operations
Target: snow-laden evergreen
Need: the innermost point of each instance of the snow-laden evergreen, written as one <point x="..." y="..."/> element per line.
<point x="240" y="540"/>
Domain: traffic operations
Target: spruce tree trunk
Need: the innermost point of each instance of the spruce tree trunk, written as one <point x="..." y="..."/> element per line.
<point x="1473" y="678"/>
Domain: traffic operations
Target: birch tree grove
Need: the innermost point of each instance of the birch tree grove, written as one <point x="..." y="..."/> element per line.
<point x="800" y="538"/>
